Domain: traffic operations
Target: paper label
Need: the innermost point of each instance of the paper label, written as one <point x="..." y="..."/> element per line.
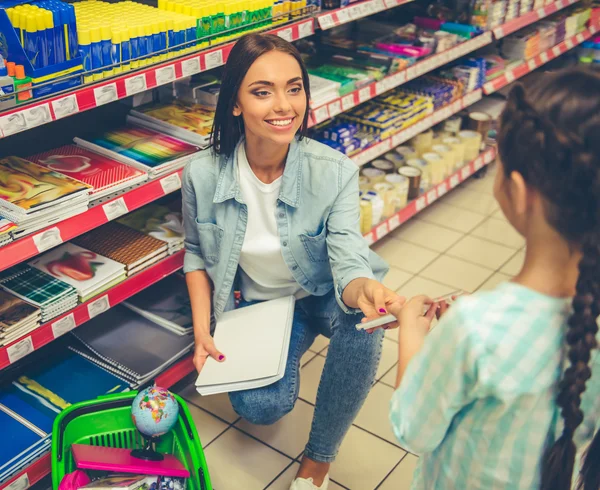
<point x="478" y="163"/>
<point x="136" y="84"/>
<point x="114" y="209"/>
<point x="531" y="64"/>
<point x="335" y="108"/>
<point x="410" y="73"/>
<point x="98" y="306"/>
<point x="19" y="350"/>
<point x="391" y="3"/>
<point x="510" y="76"/>
<point x="378" y="5"/>
<point x="569" y="43"/>
<point x="420" y="204"/>
<point x="364" y="94"/>
<point x="400" y="138"/>
<point x="13" y="123"/>
<point x="465" y="173"/>
<point x="36" y="116"/>
<point x="165" y="75"/>
<point x="21" y="483"/>
<point x="106" y="94"/>
<point x="65" y="107"/>
<point x="394" y="222"/>
<point x="64" y="325"/>
<point x="499" y="32"/>
<point x="432" y="196"/>
<point x="306" y="29"/>
<point x="544" y="56"/>
<point x="454" y="181"/>
<point x="47" y="239"/>
<point x="190" y="67"/>
<point x="343" y="17"/>
<point x="556" y="51"/>
<point x="381" y="231"/>
<point x="488" y="157"/>
<point x="170" y="183"/>
<point x="348" y="102"/>
<point x="286" y="34"/>
<point x="214" y="59"/>
<point x="579" y="38"/>
<point x="321" y="114"/>
<point x="369" y="238"/>
<point x="356" y="12"/>
<point x="326" y="21"/>
<point x="442" y="189"/>
<point x="541" y="13"/>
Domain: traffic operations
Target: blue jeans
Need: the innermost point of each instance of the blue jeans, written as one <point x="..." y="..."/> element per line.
<point x="349" y="373"/>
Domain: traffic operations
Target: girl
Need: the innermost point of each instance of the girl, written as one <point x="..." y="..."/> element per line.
<point x="276" y="214"/>
<point x="483" y="398"/>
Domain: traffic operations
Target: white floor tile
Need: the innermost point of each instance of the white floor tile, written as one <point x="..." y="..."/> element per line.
<point x="289" y="435"/>
<point x="396" y="278"/>
<point x="472" y="201"/>
<point x="401" y="477"/>
<point x="481" y="252"/>
<point x="419" y="285"/>
<point x="389" y="357"/>
<point x="284" y="481"/>
<point x="457" y="273"/>
<point x="208" y="426"/>
<point x="237" y="461"/>
<point x="427" y="235"/>
<point x="319" y="344"/>
<point x="404" y="255"/>
<point x="364" y="460"/>
<point x="451" y="217"/>
<point x="374" y="415"/>
<point x="390" y="378"/>
<point x="499" y="231"/>
<point x="513" y="266"/>
<point x="218" y="405"/>
<point x="495" y="280"/>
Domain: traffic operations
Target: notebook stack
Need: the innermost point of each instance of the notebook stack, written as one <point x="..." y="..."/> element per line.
<point x="52" y="296"/>
<point x="124" y="245"/>
<point x="186" y="121"/>
<point x="17" y="318"/>
<point x="6" y="227"/>
<point x="129" y="345"/>
<point x="148" y="150"/>
<point x="166" y="303"/>
<point x="104" y="175"/>
<point x="159" y="222"/>
<point x="88" y="272"/>
<point x="322" y="91"/>
<point x="34" y="197"/>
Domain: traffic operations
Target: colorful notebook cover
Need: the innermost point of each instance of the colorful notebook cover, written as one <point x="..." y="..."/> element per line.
<point x="96" y="170"/>
<point x="6" y="226"/>
<point x="145" y="146"/>
<point x="25" y="186"/>
<point x="121" y="243"/>
<point x="37" y="287"/>
<point x="15" y="311"/>
<point x="83" y="269"/>
<point x="191" y="117"/>
<point x="157" y="221"/>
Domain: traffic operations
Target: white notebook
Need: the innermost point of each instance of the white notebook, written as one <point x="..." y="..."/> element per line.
<point x="255" y="341"/>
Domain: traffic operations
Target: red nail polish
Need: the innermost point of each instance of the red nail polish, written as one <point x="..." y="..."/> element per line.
<point x="221" y="357"/>
<point x="382" y="310"/>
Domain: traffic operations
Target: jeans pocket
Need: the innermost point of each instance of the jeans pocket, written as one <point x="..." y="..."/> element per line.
<point x="210" y="236"/>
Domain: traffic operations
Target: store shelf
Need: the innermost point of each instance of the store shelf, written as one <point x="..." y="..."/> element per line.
<point x="530" y="17"/>
<point x="438" y="116"/>
<point x="371" y="91"/>
<point x="84" y="312"/>
<point x="175" y="373"/>
<point x="91" y="96"/>
<point x="358" y="10"/>
<point x="417" y="205"/>
<point x="31" y="245"/>
<point x="529" y="65"/>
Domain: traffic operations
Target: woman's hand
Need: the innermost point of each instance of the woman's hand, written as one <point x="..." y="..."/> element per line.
<point x="372" y="298"/>
<point x="205" y="348"/>
<point x="410" y="315"/>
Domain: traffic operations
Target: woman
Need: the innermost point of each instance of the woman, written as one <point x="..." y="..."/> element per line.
<point x="276" y="214"/>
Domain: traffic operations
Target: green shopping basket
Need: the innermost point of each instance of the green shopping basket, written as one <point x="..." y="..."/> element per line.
<point x="107" y="422"/>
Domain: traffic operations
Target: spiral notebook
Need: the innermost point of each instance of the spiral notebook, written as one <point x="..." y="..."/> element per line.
<point x="255" y="341"/>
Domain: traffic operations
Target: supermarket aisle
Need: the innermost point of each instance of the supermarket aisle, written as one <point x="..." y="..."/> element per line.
<point x="461" y="242"/>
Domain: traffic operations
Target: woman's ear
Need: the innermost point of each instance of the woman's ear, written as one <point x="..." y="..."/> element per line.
<point x="237" y="111"/>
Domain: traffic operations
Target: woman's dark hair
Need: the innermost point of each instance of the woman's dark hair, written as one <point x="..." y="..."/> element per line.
<point x="550" y="134"/>
<point x="227" y="128"/>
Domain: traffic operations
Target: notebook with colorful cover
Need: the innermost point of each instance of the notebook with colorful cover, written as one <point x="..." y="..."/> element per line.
<point x="26" y="187"/>
<point x="143" y="148"/>
<point x="159" y="222"/>
<point x="121" y="243"/>
<point x="15" y="312"/>
<point x="105" y="175"/>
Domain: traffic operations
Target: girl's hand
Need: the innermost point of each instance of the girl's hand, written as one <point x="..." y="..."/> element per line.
<point x="205" y="348"/>
<point x="410" y="315"/>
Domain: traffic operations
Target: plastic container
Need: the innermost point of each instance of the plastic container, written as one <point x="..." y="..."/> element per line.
<point x="107" y="422"/>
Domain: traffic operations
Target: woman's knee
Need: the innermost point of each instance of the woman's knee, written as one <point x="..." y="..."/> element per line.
<point x="260" y="408"/>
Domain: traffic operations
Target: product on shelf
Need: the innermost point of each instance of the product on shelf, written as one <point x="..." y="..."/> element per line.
<point x="589" y="52"/>
<point x="6" y="227"/>
<point x="17" y="317"/>
<point x="322" y="90"/>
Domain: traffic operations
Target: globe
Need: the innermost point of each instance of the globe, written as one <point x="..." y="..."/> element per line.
<point x="154" y="411"/>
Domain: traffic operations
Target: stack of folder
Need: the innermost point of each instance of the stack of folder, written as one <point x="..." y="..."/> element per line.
<point x="17" y="318"/>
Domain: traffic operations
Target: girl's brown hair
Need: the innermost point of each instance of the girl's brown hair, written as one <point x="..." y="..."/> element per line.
<point x="550" y="134"/>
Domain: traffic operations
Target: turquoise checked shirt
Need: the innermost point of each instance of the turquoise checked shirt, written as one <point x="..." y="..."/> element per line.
<point x="477" y="403"/>
<point x="318" y="219"/>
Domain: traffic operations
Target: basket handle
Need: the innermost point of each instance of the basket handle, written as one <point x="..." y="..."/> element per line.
<point x="110" y="396"/>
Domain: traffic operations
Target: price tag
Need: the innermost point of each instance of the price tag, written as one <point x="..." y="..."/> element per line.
<point x="442" y="189"/>
<point x="98" y="306"/>
<point x="114" y="209"/>
<point x="19" y="350"/>
<point x="541" y="13"/>
<point x="343" y="16"/>
<point x="381" y="231"/>
<point x="531" y="64"/>
<point x="465" y="173"/>
<point x="64" y="325"/>
<point x="47" y="239"/>
<point x="394" y="222"/>
<point x="355" y="12"/>
<point x="36" y="116"/>
<point x="544" y="56"/>
<point x="214" y="59"/>
<point x="454" y="181"/>
<point x="13" y="123"/>
<point x="170" y="183"/>
<point x="326" y="21"/>
<point x="190" y="67"/>
<point x="378" y="5"/>
<point x="569" y="43"/>
<point x="556" y="51"/>
<point x="420" y="204"/>
<point x="380" y="87"/>
<point x="106" y="94"/>
<point x="335" y="108"/>
<point x="410" y="73"/>
<point x="510" y="76"/>
<point x="321" y="114"/>
<point x="364" y="94"/>
<point x="579" y="38"/>
<point x="499" y="32"/>
<point x="136" y="84"/>
<point x="348" y="102"/>
<point x="306" y="29"/>
<point x="478" y="163"/>
<point x="369" y="238"/>
<point x="21" y="483"/>
<point x="165" y="75"/>
<point x="488" y="157"/>
<point x="432" y="196"/>
<point x="286" y="34"/>
<point x="400" y="138"/>
<point x="65" y="107"/>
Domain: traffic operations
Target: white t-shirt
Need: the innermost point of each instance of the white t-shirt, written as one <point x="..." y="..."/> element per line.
<point x="264" y="274"/>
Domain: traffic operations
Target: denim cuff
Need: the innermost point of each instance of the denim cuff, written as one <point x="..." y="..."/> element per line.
<point x="341" y="286"/>
<point x="192" y="262"/>
<point x="319" y="458"/>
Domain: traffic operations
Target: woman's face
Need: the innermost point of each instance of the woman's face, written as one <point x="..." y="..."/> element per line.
<point x="272" y="99"/>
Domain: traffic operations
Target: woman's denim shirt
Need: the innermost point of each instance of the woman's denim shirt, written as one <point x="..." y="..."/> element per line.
<point x="317" y="217"/>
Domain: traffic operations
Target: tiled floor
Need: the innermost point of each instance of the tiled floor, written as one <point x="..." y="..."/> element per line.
<point x="461" y="242"/>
